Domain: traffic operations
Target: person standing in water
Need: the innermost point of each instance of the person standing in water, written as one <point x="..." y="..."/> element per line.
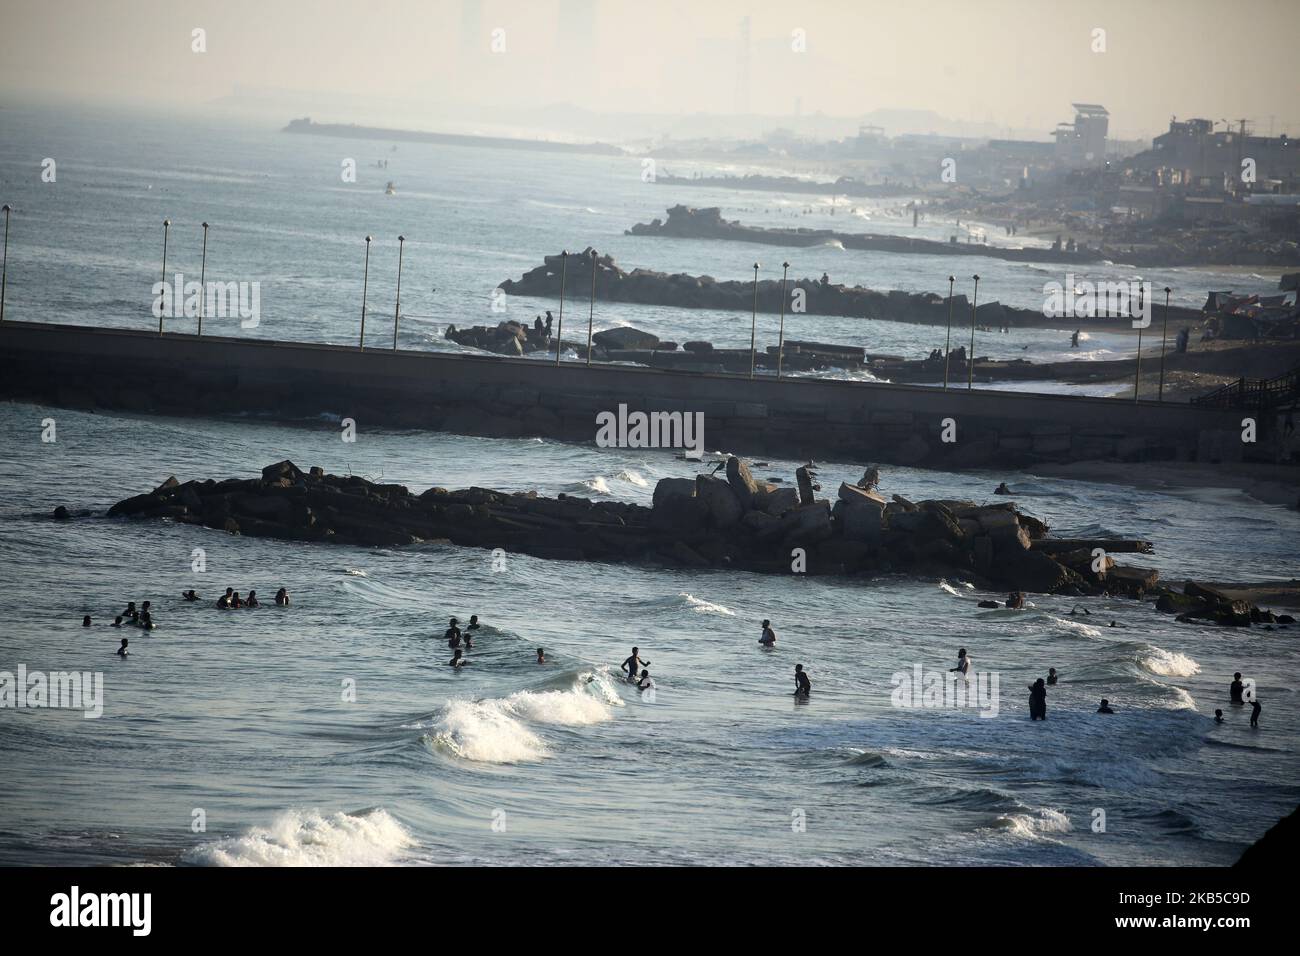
<point x="457" y="658"/>
<point x="1236" y="689"/>
<point x="541" y="655"/>
<point x="1105" y="707"/>
<point x="1218" y="716"/>
<point x="1038" y="700"/>
<point x="769" y="636"/>
<point x="452" y="634"/>
<point x="122" y="651"/>
<point x="473" y="623"/>
<point x="85" y="621"/>
<point x="633" y="664"/>
<point x="1254" y="712"/>
<point x="1051" y="677"/>
<point x="802" y="685"/>
<point x="646" y="682"/>
<point x="282" y="598"/>
<point x="963" y="664"/>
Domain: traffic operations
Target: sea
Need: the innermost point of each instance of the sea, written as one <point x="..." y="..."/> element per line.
<point x="332" y="731"/>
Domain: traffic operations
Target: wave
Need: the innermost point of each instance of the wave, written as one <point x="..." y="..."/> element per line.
<point x="495" y="730"/>
<point x="310" y="838"/>
<point x="1075" y="627"/>
<point x="866" y="758"/>
<point x="1165" y="663"/>
<point x="1034" y="827"/>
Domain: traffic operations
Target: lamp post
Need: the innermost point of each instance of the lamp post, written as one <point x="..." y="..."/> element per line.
<point x="947" y="347"/>
<point x="970" y="359"/>
<point x="1164" y="335"/>
<point x="753" y="326"/>
<point x="1137" y="369"/>
<point x="167" y="225"/>
<point x="780" y="341"/>
<point x="203" y="278"/>
<point x="4" y="270"/>
<point x="365" y="284"/>
<point x="559" y="332"/>
<point x="592" y="313"/>
<point x="397" y="311"/>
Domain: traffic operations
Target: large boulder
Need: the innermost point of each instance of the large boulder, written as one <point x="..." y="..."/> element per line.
<point x="779" y="500"/>
<point x="808" y="524"/>
<point x="721" y="505"/>
<point x="742" y="482"/>
<point x="1030" y="571"/>
<point x="625" y="337"/>
<point x="281" y="471"/>
<point x="676" y="504"/>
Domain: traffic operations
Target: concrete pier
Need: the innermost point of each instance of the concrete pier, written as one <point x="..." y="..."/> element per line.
<point x="85" y="367"/>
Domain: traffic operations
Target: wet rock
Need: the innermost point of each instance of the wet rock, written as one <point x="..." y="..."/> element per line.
<point x="742" y="482"/>
<point x="721" y="505"/>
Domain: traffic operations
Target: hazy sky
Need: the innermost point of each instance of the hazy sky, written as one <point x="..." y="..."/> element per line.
<point x="1011" y="62"/>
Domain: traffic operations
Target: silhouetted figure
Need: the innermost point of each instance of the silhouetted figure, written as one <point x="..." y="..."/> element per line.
<point x="1016" y="600"/>
<point x="802" y="685"/>
<point x="190" y="595"/>
<point x="1218" y="716"/>
<point x="122" y="651"/>
<point x="1105" y="707"/>
<point x="1236" y="689"/>
<point x="473" y="623"/>
<point x="538" y="327"/>
<point x="1254" y="713"/>
<point x="457" y="658"/>
<point x="282" y="598"/>
<point x="130" y="609"/>
<point x="252" y="600"/>
<point x="548" y="323"/>
<point x="541" y="655"/>
<point x="633" y="664"/>
<point x="646" y="682"/>
<point x="1038" y="700"/>
<point x="117" y="622"/>
<point x="1051" y="677"/>
<point x="1002" y="489"/>
<point x="452" y="634"/>
<point x="769" y="636"/>
<point x="85" y="621"/>
<point x="963" y="663"/>
<point x="1074" y="339"/>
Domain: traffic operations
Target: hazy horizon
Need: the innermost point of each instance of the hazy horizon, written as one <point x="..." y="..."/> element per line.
<point x="1007" y="65"/>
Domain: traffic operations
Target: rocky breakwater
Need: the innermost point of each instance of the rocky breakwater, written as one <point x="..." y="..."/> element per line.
<point x="726" y="521"/>
<point x="818" y="297"/>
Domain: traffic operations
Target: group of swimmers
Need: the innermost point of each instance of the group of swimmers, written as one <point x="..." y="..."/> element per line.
<point x="142" y="616"/>
<point x="231" y="599"/>
<point x="460" y="641"/>
<point x="802" y="684"/>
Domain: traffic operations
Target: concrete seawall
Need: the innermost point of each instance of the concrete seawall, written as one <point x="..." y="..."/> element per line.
<point x="84" y="367"/>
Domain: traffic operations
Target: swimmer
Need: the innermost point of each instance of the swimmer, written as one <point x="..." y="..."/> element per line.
<point x="1002" y="489"/>
<point x="1236" y="689"/>
<point x="457" y="658"/>
<point x="1076" y="609"/>
<point x="282" y="598"/>
<point x="85" y="621"/>
<point x="469" y="642"/>
<point x="252" y="600"/>
<point x="122" y="651"/>
<point x="802" y="685"/>
<point x="1038" y="700"/>
<point x="1105" y="707"/>
<point x="117" y="622"/>
<point x="452" y="634"/>
<point x="130" y="609"/>
<point x="236" y="600"/>
<point x="963" y="663"/>
<point x="541" y="655"/>
<point x="769" y="636"/>
<point x="146" y="621"/>
<point x="1051" y="677"/>
<point x="646" y="682"/>
<point x="1218" y="716"/>
<point x="144" y="608"/>
<point x="223" y="602"/>
<point x="632" y="663"/>
<point x="1254" y="712"/>
<point x="1016" y="599"/>
<point x="190" y="595"/>
<point x="473" y="623"/>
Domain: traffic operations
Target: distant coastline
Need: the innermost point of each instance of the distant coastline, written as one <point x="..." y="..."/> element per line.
<point x="351" y="130"/>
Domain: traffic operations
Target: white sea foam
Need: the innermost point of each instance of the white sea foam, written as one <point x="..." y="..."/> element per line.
<point x="632" y="478"/>
<point x="700" y="606"/>
<point x="1075" y="627"/>
<point x="1034" y="827"/>
<point x="1168" y="663"/>
<point x="310" y="838"/>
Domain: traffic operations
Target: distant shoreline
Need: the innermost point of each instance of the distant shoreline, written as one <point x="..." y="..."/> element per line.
<point x="349" y="130"/>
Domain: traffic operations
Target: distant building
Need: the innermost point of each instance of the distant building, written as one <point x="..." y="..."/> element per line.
<point x="1195" y="156"/>
<point x="1083" y="142"/>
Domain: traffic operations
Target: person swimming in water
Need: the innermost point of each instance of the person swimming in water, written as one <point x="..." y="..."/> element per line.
<point x="1038" y="700"/>
<point x="1236" y="689"/>
<point x="1105" y="707"/>
<point x="1218" y="716"/>
<point x="1076" y="610"/>
<point x="452" y="634"/>
<point x="1016" y="600"/>
<point x="144" y="608"/>
<point x="769" y="636"/>
<point x="473" y="623"/>
<point x="85" y="621"/>
<point x="190" y="595"/>
<point x="223" y="602"/>
<point x="1051" y="677"/>
<point x="632" y="664"/>
<point x="963" y="664"/>
<point x="1002" y="489"/>
<point x="457" y="658"/>
<point x="236" y="601"/>
<point x="122" y="651"/>
<point x="282" y="598"/>
<point x="541" y="655"/>
<point x="646" y="682"/>
<point x="1254" y="712"/>
<point x="252" y="600"/>
<point x="146" y="621"/>
<point x="117" y="622"/>
<point x="130" y="609"/>
<point x="802" y="685"/>
<point x="469" y="642"/>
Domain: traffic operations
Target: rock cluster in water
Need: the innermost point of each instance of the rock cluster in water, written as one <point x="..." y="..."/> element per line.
<point x="727" y="521"/>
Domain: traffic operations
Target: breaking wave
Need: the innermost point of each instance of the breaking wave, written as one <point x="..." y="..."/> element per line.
<point x="310" y="838"/>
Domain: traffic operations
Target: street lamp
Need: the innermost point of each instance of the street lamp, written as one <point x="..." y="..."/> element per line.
<point x="753" y="325"/>
<point x="780" y="341"/>
<point x="365" y="284"/>
<point x="1137" y="369"/>
<point x="970" y="359"/>
<point x="4" y="270"/>
<point x="592" y="313"/>
<point x="559" y="332"/>
<point x="1164" y="335"/>
<point x="947" y="348"/>
<point x="167" y="225"/>
<point x="203" y="278"/>
<point x="397" y="310"/>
